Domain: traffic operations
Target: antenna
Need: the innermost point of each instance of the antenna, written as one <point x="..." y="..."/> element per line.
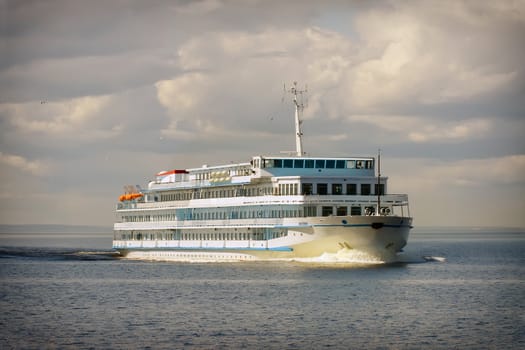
<point x="299" y="107"/>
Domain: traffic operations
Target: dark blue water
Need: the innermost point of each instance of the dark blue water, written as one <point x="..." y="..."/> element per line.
<point x="469" y="293"/>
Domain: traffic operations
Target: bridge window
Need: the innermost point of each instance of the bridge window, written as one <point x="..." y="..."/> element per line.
<point x="299" y="163"/>
<point x="288" y="163"/>
<point x="319" y="163"/>
<point x="330" y="164"/>
<point x="308" y="163"/>
<point x="322" y="189"/>
<point x="340" y="164"/>
<point x="277" y="163"/>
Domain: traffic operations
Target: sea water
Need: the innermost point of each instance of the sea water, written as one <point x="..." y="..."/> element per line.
<point x="460" y="288"/>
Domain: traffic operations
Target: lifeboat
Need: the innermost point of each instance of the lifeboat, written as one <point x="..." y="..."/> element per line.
<point x="130" y="196"/>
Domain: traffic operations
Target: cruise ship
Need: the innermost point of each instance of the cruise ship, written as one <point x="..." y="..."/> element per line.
<point x="270" y="207"/>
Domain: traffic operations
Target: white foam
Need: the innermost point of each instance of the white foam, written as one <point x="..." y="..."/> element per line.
<point x="351" y="256"/>
<point x="435" y="258"/>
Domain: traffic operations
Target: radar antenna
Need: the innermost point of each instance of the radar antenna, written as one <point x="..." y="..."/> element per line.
<point x="299" y="107"/>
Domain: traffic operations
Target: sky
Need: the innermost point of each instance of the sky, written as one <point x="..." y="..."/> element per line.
<point x="96" y="95"/>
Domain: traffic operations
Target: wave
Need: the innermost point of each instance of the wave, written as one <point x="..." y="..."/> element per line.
<point x="56" y="253"/>
<point x="406" y="258"/>
<point x="435" y="258"/>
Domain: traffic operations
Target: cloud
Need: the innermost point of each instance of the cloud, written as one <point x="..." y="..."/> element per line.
<point x="35" y="167"/>
<point x="76" y="116"/>
<point x="70" y="77"/>
<point x="420" y="59"/>
<point x="183" y="93"/>
<point x="413" y="65"/>
<point x="433" y="176"/>
<point x="231" y="75"/>
<point x="423" y="130"/>
<point x="482" y="172"/>
<point x="461" y="131"/>
<point x="199" y="7"/>
<point x="186" y="100"/>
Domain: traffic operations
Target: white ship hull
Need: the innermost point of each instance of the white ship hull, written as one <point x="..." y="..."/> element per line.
<point x="311" y="237"/>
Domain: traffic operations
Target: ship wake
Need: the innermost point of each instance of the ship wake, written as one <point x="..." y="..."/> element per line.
<point x="352" y="256"/>
<point x="56" y="254"/>
<point x="343" y="256"/>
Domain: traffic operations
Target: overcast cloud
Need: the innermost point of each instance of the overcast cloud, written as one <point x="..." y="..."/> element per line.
<point x="96" y="95"/>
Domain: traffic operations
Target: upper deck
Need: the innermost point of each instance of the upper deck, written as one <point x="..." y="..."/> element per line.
<point x="264" y="167"/>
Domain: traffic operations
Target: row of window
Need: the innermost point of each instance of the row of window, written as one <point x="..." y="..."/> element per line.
<point x="253" y="234"/>
<point x="232" y="214"/>
<point x="238" y="171"/>
<point x="214" y="193"/>
<point x="282" y="189"/>
<point x="206" y="214"/>
<point x="340" y="189"/>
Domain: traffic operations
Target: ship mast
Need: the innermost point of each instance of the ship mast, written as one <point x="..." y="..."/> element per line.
<point x="299" y="106"/>
<point x="378" y="182"/>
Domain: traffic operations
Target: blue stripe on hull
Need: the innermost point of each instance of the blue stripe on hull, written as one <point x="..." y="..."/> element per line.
<point x="276" y="249"/>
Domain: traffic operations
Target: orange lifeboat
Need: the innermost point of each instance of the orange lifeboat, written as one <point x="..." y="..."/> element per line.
<point x="130" y="196"/>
